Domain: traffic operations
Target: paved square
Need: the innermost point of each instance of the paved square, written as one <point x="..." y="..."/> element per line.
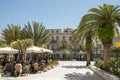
<point x="66" y="70"/>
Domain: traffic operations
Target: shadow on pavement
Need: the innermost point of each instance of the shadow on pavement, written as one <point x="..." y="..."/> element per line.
<point x="71" y="66"/>
<point x="79" y="76"/>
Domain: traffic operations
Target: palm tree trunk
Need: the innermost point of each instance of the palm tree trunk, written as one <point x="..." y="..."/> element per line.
<point x="88" y="48"/>
<point x="106" y="46"/>
<point x="88" y="57"/>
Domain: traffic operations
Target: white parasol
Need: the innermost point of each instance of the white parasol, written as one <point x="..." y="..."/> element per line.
<point x="47" y="50"/>
<point x="34" y="49"/>
<point x="8" y="50"/>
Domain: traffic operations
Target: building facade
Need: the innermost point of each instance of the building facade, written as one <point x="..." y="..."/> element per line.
<point x="57" y="36"/>
<point x="116" y="39"/>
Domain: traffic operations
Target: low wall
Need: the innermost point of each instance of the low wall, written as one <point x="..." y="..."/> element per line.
<point x="105" y="75"/>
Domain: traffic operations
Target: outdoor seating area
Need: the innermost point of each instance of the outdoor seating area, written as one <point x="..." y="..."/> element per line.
<point x="12" y="63"/>
<point x="21" y="68"/>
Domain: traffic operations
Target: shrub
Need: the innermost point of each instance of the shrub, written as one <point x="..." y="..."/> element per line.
<point x="114" y="64"/>
<point x="98" y="63"/>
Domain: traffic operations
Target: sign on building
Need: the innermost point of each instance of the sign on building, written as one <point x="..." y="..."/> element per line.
<point x="117" y="44"/>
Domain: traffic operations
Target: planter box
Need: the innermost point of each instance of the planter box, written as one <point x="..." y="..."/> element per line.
<point x="105" y="75"/>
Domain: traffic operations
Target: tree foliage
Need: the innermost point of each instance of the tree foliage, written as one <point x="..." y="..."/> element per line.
<point x="36" y="32"/>
<point x="22" y="45"/>
<point x="64" y="45"/>
<point x="11" y="33"/>
<point x="2" y="44"/>
<point x="115" y="49"/>
<point x="103" y="21"/>
<point x="65" y="51"/>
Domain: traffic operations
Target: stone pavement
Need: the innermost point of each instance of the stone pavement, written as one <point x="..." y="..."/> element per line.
<point x="66" y="70"/>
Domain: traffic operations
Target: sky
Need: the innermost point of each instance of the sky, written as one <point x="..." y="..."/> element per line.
<point x="54" y="14"/>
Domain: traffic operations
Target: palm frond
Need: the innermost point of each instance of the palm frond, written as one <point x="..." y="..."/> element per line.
<point x="36" y="32"/>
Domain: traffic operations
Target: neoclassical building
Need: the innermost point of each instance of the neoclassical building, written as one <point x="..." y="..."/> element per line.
<point x="57" y="36"/>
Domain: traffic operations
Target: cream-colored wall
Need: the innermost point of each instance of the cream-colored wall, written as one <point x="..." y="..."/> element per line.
<point x="60" y="34"/>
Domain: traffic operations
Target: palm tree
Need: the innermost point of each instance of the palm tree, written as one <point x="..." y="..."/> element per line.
<point x="104" y="20"/>
<point x="84" y="36"/>
<point x="2" y="44"/>
<point x="75" y="41"/>
<point x="64" y="48"/>
<point x="11" y="33"/>
<point x="36" y="32"/>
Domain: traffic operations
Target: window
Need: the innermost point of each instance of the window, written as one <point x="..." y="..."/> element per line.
<point x="66" y="31"/>
<point x="57" y="31"/>
<point x="57" y="37"/>
<point x="52" y="31"/>
<point x="69" y="38"/>
<point x="63" y="38"/>
<point x="52" y="38"/>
